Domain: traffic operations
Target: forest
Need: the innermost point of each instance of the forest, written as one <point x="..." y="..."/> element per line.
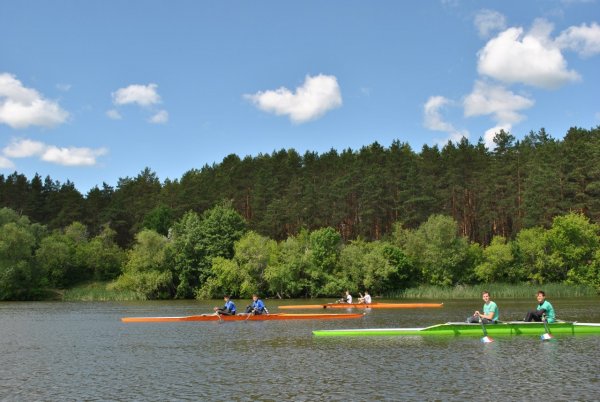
<point x="292" y="225"/>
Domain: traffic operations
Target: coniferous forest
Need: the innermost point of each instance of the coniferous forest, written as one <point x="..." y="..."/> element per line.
<point x="289" y="225"/>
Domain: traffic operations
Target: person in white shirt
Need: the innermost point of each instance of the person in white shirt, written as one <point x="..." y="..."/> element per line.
<point x="366" y="299"/>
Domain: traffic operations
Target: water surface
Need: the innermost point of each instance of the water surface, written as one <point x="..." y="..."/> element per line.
<point x="82" y="351"/>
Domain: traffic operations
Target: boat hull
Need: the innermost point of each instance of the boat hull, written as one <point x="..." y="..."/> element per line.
<point x="245" y="317"/>
<point x="362" y="306"/>
<point x="455" y="329"/>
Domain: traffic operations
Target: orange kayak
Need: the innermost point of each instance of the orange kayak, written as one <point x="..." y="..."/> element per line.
<point x="362" y="305"/>
<point x="245" y="317"/>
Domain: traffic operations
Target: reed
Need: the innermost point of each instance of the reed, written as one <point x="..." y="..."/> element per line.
<point x="99" y="291"/>
<point x="499" y="290"/>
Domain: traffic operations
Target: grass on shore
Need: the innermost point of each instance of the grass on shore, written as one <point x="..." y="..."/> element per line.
<point x="498" y="290"/>
<point x="99" y="291"/>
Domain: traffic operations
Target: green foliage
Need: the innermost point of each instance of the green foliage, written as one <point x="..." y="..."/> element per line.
<point x="197" y="240"/>
<point x="286" y="273"/>
<point x="498" y="263"/>
<point x="103" y="257"/>
<point x="439" y="252"/>
<point x="19" y="277"/>
<point x="147" y="271"/>
<point x="160" y="219"/>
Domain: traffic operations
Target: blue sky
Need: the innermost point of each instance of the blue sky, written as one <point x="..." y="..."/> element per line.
<point x="94" y="91"/>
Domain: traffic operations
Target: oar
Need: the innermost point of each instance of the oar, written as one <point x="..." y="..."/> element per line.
<point x="547" y="336"/>
<point x="486" y="338"/>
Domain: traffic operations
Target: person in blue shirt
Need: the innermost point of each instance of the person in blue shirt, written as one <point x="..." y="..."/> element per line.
<point x="227" y="309"/>
<point x="490" y="314"/>
<point x="544" y="308"/>
<point x="257" y="307"/>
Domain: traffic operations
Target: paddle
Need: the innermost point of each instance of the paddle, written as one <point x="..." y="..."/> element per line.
<point x="486" y="338"/>
<point x="547" y="336"/>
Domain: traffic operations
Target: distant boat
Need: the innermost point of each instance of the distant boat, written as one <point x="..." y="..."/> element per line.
<point x="363" y="305"/>
<point x="245" y="317"/>
<point x="460" y="328"/>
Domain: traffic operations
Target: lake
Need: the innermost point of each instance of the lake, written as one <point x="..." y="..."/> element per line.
<point x="62" y="351"/>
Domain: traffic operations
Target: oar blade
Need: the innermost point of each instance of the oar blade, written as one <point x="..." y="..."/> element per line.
<point x="546" y="337"/>
<point x="487" y="339"/>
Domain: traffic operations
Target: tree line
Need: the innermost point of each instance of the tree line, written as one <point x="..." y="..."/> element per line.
<point x="361" y="194"/>
<point x="215" y="253"/>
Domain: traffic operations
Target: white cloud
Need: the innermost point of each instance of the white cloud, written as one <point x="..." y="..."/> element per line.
<point x="488" y="22"/>
<point x="433" y="120"/>
<point x="143" y="95"/>
<point x="532" y="58"/>
<point x="432" y="117"/>
<point x="23" y="148"/>
<point x="160" y="117"/>
<point x="583" y="39"/>
<point x="6" y="163"/>
<point x="114" y="114"/>
<point x="21" y="107"/>
<point x="496" y="100"/>
<point x="314" y="98"/>
<point x="488" y="137"/>
<point x="70" y="156"/>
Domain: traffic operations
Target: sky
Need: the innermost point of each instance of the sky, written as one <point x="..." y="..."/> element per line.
<point x="94" y="91"/>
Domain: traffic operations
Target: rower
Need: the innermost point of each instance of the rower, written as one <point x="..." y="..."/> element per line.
<point x="490" y="313"/>
<point x="227" y="309"/>
<point x="366" y="299"/>
<point x="257" y="307"/>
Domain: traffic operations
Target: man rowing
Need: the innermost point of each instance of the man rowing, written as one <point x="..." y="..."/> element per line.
<point x="227" y="309"/>
<point x="366" y="299"/>
<point x="490" y="313"/>
<point x="544" y="308"/>
<point x="257" y="307"/>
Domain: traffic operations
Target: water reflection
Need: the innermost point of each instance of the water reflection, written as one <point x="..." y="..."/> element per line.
<point x="81" y="351"/>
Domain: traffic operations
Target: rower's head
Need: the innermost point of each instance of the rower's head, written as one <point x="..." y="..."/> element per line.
<point x="226" y="297"/>
<point x="541" y="296"/>
<point x="485" y="295"/>
<point x="254" y="296"/>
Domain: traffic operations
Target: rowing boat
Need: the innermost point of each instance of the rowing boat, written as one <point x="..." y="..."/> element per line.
<point x="245" y="317"/>
<point x="362" y="305"/>
<point x="459" y="328"/>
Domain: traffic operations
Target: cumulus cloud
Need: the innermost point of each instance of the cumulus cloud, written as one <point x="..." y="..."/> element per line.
<point x="114" y="114"/>
<point x="161" y="117"/>
<point x="69" y="156"/>
<point x="21" y="107"/>
<point x="72" y="156"/>
<point x="531" y="58"/>
<point x="143" y="95"/>
<point x="584" y="39"/>
<point x="488" y="22"/>
<point x="495" y="100"/>
<point x="433" y="119"/>
<point x="315" y="97"/>
<point x="488" y="137"/>
<point x="6" y="163"/>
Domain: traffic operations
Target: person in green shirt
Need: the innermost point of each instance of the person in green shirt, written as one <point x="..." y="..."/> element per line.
<point x="490" y="314"/>
<point x="544" y="308"/>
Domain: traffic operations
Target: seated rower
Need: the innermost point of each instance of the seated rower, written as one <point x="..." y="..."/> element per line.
<point x="257" y="307"/>
<point x="227" y="309"/>
<point x="366" y="299"/>
<point x="544" y="308"/>
<point x="490" y="313"/>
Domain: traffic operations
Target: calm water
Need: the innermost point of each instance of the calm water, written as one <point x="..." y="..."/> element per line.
<point x="81" y="351"/>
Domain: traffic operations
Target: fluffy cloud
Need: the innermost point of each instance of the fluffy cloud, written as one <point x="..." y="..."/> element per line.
<point x="433" y="119"/>
<point x="160" y="117"/>
<point x="114" y="114"/>
<point x="532" y="58"/>
<point x="70" y="156"/>
<point x="143" y="95"/>
<point x="6" y="163"/>
<point x="489" y="21"/>
<point x="583" y="39"/>
<point x="496" y="100"/>
<point x="21" y="107"/>
<point x="310" y="101"/>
